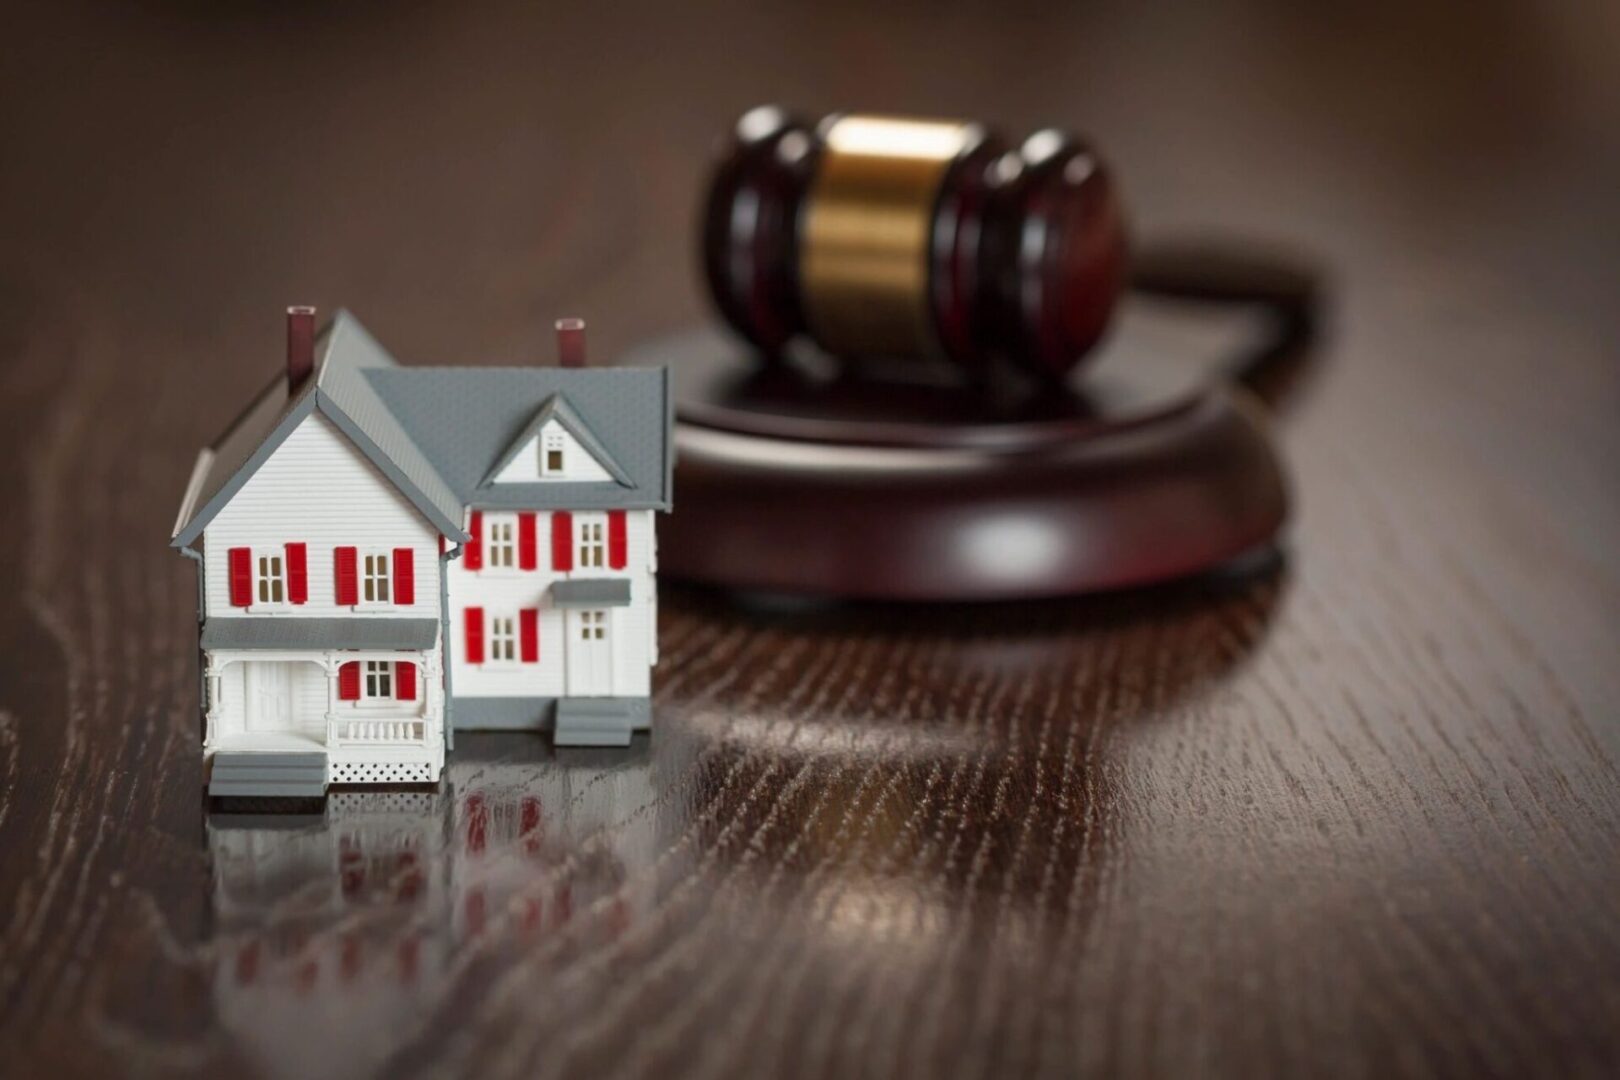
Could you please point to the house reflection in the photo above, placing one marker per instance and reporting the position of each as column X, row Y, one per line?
column 342, row 935
column 329, row 940
column 534, row 844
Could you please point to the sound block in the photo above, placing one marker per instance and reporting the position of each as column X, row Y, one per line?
column 801, row 476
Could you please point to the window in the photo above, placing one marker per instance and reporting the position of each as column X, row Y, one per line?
column 502, row 541
column 593, row 626
column 551, row 454
column 503, row 638
column 272, row 580
column 592, row 543
column 380, row 679
column 374, row 580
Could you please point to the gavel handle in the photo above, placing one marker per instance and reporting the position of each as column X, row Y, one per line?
column 1222, row 271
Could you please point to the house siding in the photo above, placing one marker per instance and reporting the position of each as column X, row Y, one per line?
column 501, row 590
column 317, row 488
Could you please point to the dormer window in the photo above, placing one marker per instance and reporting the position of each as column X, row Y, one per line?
column 557, row 446
column 553, row 454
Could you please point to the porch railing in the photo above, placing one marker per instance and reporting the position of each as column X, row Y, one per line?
column 374, row 731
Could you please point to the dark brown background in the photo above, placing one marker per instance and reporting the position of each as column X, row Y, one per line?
column 1357, row 814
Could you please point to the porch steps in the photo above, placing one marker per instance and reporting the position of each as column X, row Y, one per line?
column 292, row 774
column 593, row 722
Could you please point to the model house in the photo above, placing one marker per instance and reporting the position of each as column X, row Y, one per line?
column 388, row 553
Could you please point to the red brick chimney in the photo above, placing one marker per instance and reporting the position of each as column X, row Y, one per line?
column 571, row 342
column 300, row 346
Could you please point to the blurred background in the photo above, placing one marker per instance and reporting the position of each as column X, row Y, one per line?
column 1361, row 811
column 460, row 175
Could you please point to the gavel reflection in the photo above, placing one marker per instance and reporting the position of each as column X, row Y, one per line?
column 880, row 237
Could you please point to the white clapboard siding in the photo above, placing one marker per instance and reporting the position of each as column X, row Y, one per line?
column 578, row 464
column 309, row 695
column 319, row 489
column 503, row 591
column 231, row 705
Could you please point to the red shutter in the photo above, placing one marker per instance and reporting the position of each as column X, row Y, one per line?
column 297, row 573
column 404, row 681
column 529, row 620
column 618, row 541
column 528, row 557
column 346, row 564
column 404, row 576
column 474, row 558
column 241, row 577
column 349, row 681
column 562, row 540
column 474, row 618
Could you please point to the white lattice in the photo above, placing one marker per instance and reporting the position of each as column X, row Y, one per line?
column 356, row 803
column 382, row 772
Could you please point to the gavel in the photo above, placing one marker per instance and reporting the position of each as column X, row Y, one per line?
column 876, row 236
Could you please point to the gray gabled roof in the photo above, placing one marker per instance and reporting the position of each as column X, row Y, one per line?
column 465, row 419
column 347, row 397
column 342, row 393
column 436, row 432
column 556, row 408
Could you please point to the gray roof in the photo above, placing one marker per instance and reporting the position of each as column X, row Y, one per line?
column 612, row 592
column 355, row 408
column 466, row 419
column 344, row 396
column 437, row 432
column 336, row 633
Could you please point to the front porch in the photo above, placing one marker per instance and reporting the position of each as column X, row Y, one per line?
column 361, row 715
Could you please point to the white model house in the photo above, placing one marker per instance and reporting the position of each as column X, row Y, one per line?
column 386, row 553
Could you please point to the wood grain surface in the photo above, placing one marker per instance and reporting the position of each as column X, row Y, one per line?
column 1352, row 812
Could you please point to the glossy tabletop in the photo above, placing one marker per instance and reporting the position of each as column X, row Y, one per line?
column 1351, row 810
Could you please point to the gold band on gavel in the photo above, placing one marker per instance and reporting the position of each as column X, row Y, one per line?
column 864, row 251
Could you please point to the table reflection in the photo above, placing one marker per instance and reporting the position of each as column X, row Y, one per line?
column 341, row 933
column 840, row 807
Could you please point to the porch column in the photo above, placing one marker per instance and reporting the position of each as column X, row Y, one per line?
column 432, row 698
column 330, row 664
column 211, row 706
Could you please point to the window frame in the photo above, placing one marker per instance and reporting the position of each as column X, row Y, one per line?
column 383, row 675
column 590, row 539
column 500, row 535
column 270, row 569
column 365, row 561
column 549, row 443
column 593, row 619
column 494, row 638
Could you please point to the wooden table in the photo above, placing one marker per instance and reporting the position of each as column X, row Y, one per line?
column 1357, row 813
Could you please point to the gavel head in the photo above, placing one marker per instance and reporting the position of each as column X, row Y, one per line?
column 875, row 236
